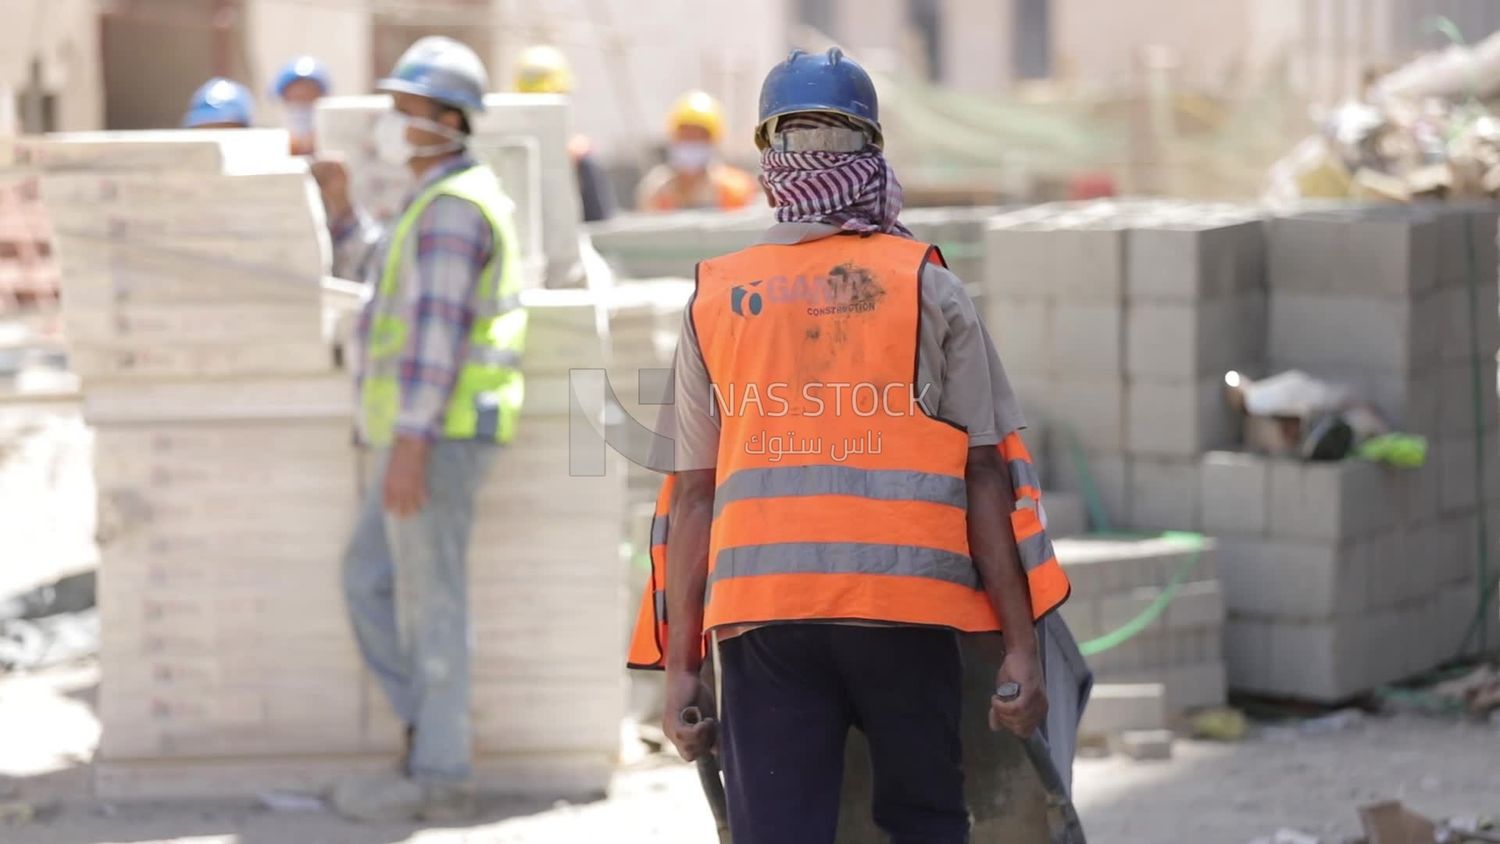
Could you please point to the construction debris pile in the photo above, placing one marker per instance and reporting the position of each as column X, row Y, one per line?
column 1422, row 132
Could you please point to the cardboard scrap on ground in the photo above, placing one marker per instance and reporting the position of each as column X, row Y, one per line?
column 1390, row 822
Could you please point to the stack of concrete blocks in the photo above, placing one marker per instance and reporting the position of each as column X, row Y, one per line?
column 547, row 571
column 523, row 137
column 1341, row 577
column 1116, row 323
column 671, row 245
column 226, row 480
column 229, row 486
column 1115, row 580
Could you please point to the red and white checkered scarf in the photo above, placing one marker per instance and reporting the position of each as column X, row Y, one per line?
column 855, row 191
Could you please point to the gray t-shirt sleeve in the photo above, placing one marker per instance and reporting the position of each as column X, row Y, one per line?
column 959, row 374
column 695, row 424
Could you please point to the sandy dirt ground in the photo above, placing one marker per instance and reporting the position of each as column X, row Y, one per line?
column 1206, row 794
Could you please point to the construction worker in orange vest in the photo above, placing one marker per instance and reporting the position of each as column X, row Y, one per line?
column 693, row 177
column 850, row 492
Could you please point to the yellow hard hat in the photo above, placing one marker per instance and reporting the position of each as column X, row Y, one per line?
column 543, row 69
column 697, row 108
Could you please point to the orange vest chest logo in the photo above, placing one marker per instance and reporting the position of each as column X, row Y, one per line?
column 845, row 289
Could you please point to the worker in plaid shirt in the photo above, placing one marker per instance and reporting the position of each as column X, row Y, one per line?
column 436, row 360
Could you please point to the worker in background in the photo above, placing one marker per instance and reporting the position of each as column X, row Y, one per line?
column 693, row 177
column 437, row 354
column 842, row 536
column 543, row 69
column 299, row 85
column 220, row 104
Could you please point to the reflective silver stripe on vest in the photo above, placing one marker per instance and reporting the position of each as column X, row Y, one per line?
column 506, row 304
column 659, row 530
column 882, row 484
column 659, row 599
column 844, row 558
column 1023, row 473
column 1035, row 550
column 489, row 356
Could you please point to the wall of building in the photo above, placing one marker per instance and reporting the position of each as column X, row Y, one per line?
column 49, row 66
column 338, row 34
column 633, row 58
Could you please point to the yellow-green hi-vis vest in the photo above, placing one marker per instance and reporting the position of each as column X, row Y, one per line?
column 487, row 395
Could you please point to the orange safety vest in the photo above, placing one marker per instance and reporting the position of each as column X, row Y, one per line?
column 732, row 187
column 838, row 498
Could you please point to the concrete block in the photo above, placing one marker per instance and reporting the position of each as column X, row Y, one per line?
column 1247, row 654
column 1379, row 652
column 1092, row 410
column 1458, row 468
column 1290, row 580
column 1166, row 264
column 1065, row 514
column 1196, row 686
column 1470, row 320
column 1086, row 340
column 1081, row 610
column 1179, row 419
column 1144, row 745
column 1164, row 494
column 1391, row 253
column 1019, row 262
column 1108, row 476
column 1315, row 661
column 1090, row 264
column 1118, row 609
column 1022, row 329
column 1183, row 341
column 1450, row 542
column 1380, row 570
column 1312, row 330
column 1328, row 501
column 1304, row 252
column 1117, row 707
column 1372, row 251
column 1199, row 604
column 1455, row 397
column 1453, row 247
column 1234, row 489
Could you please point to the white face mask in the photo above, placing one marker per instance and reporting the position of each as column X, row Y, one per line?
column 299, row 119
column 393, row 147
column 690, row 156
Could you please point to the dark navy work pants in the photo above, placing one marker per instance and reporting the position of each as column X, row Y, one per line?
column 790, row 694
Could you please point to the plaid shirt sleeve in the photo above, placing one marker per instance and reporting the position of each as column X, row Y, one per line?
column 354, row 238
column 454, row 243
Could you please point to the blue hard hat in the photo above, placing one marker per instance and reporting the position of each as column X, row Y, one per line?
column 831, row 82
column 442, row 69
column 302, row 67
column 220, row 100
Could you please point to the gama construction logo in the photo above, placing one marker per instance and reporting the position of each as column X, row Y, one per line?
column 744, row 302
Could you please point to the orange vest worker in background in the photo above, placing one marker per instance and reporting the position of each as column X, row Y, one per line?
column 693, row 177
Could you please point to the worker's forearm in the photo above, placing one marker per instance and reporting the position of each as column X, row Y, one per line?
column 687, row 577
column 992, row 543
